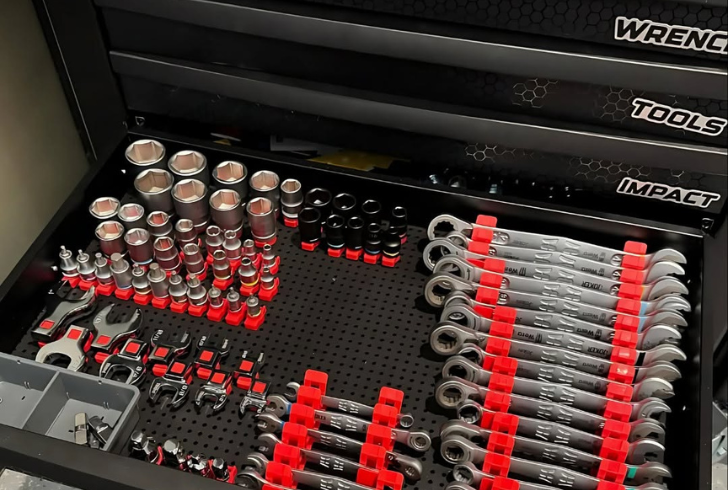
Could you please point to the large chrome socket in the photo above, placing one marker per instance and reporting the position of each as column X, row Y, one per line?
column 140, row 245
column 166, row 254
column 154, row 187
column 232, row 175
column 291, row 198
column 104, row 208
column 265, row 183
column 226, row 209
column 189, row 165
column 111, row 238
column 159, row 224
column 262, row 219
column 145, row 154
column 190, row 202
column 131, row 215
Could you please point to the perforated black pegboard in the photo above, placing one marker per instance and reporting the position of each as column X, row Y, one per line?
column 359, row 323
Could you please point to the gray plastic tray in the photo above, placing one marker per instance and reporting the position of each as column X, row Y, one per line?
column 45, row 399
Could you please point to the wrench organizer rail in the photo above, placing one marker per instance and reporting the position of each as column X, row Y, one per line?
column 560, row 357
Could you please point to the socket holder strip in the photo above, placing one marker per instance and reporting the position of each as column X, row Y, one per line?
column 504, row 425
column 294, row 437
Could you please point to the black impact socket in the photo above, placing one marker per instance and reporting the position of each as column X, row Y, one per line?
column 371, row 211
column 334, row 229
column 373, row 239
column 354, row 233
column 398, row 221
column 320, row 199
column 344, row 204
column 392, row 243
column 309, row 225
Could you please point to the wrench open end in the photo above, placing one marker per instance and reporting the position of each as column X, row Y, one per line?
column 267, row 443
column 267, row 422
column 250, row 479
column 257, row 461
column 292, row 391
column 647, row 429
column 278, row 405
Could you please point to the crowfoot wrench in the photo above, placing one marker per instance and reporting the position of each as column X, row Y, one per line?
column 177, row 380
column 549, row 242
column 648, row 474
column 73, row 346
column 462, row 367
column 640, row 450
column 458, row 450
column 217, row 389
column 419, row 441
column 448, row 339
column 458, row 266
column 131, row 360
column 167, row 346
column 60, row 311
column 410, row 467
column 404, row 420
column 649, row 337
column 110, row 335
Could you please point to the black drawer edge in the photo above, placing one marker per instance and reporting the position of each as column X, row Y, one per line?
column 418, row 116
column 433, row 46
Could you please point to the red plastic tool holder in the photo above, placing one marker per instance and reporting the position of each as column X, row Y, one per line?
column 197, row 311
column 161, row 303
column 354, row 254
column 72, row 281
column 86, row 285
column 391, row 397
column 335, row 252
column 491, row 279
column 310, row 396
column 290, row 222
column 612, row 471
column 627, row 322
column 614, row 429
column 501, row 443
column 316, row 379
column 272, row 268
column 256, row 260
column 497, row 464
column 621, row 373
column 296, row 435
column 269, row 294
column 371, row 259
column 247, row 291
column 619, row 392
column 373, row 456
column 380, row 435
column 124, row 294
column 280, row 474
column 263, row 243
column 500, row 365
column 143, row 299
column 105, row 289
column 254, row 322
column 235, row 318
column 614, row 450
column 481, row 247
column 309, row 246
column 499, row 483
column 617, row 411
column 489, row 296
column 486, row 220
column 505, row 423
column 626, row 339
column 390, row 261
column 303, row 415
column 289, row 455
column 498, row 346
column 217, row 314
column 385, row 415
column 388, row 480
column 179, row 307
column 223, row 284
column 624, row 355
column 497, row 401
column 608, row 485
column 630, row 291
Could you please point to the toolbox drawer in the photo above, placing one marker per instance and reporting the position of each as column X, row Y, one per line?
column 382, row 338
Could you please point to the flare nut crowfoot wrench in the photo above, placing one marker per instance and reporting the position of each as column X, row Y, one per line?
column 72, row 346
column 61, row 311
column 177, row 380
column 462, row 367
column 131, row 359
column 642, row 448
column 276, row 405
column 411, row 467
column 110, row 335
column 419, row 441
column 548, row 242
column 217, row 389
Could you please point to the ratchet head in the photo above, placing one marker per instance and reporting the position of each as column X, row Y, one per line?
column 451, row 392
column 278, row 405
column 652, row 387
column 462, row 315
column 644, row 451
column 665, row 352
column 267, row 443
column 268, row 422
column 649, row 408
column 647, row 429
column 658, row 335
column 448, row 338
column 649, row 473
column 459, row 428
column 419, row 441
column 444, row 224
column 665, row 286
column 467, row 473
column 441, row 284
column 470, row 412
column 436, row 249
column 456, row 450
column 460, row 367
column 457, row 266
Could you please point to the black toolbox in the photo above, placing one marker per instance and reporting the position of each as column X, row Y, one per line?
column 175, row 80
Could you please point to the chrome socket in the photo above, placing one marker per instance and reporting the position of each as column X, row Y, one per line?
column 248, row 273
column 232, row 246
column 267, row 279
column 249, row 249
column 145, row 154
column 291, row 198
column 103, row 269
column 158, row 281
column 189, row 164
column 268, row 256
column 262, row 219
column 159, row 224
column 104, row 208
column 177, row 288
column 140, row 246
column 166, row 254
column 194, row 261
column 214, row 297
column 196, row 292
column 234, row 303
column 184, row 232
column 265, row 183
column 86, row 268
column 232, row 175
column 121, row 271
column 131, row 215
column 155, row 190
column 253, row 304
column 139, row 280
column 190, row 202
column 213, row 239
column 68, row 264
column 227, row 211
column 111, row 238
column 221, row 266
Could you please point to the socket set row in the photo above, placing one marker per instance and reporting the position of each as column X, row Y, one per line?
column 560, row 356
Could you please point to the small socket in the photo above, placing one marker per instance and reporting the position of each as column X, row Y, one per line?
column 139, row 243
column 177, row 288
column 262, row 219
column 103, row 269
column 131, row 215
column 86, row 268
column 104, row 208
column 194, row 261
column 253, row 306
column 111, row 238
column 158, row 281
column 166, row 255
column 68, row 264
column 227, row 211
column 139, row 281
column 190, row 202
column 234, row 303
column 213, row 239
column 121, row 271
column 159, row 224
column 184, row 232
column 196, row 292
column 291, row 198
column 232, row 246
column 221, row 266
column 214, row 296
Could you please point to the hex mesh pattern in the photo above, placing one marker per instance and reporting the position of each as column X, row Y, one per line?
column 359, row 323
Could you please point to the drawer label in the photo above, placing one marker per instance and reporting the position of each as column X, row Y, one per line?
column 663, row 192
column 674, row 117
column 680, row 37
